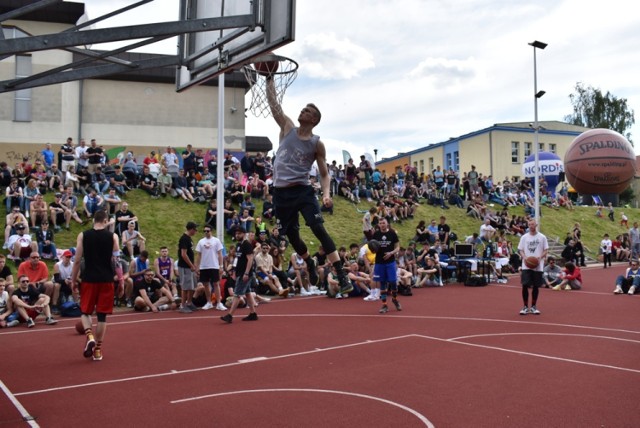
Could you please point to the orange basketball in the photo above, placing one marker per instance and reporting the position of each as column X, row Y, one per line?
column 79, row 327
column 600, row 161
column 531, row 262
column 266, row 68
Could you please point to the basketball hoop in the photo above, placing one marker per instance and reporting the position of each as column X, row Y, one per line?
column 283, row 71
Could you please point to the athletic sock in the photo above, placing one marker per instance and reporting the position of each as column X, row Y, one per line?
column 99, row 344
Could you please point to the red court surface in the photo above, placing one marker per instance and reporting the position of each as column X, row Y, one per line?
column 454, row 357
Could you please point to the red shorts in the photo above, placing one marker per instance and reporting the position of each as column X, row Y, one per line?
column 98, row 296
column 33, row 313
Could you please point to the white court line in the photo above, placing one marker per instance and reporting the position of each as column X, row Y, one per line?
column 591, row 336
column 23, row 412
column 531, row 354
column 420, row 416
column 199, row 369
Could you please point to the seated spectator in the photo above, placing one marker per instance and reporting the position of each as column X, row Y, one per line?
column 112, row 202
column 165, row 182
column 232, row 224
column 551, row 273
column 38, row 273
column 422, row 233
column 361, row 282
column 148, row 183
column 621, row 253
column 248, row 205
column 430, row 275
column 39, row 210
column 123, row 217
column 85, row 180
column 100, row 181
column 487, row 232
column 299, row 278
column 119, row 181
column 14, row 195
column 137, row 267
column 6, row 275
column 55, row 179
column 92, row 203
column 132, row 240
column 264, row 272
column 130, row 171
column 29, row 303
column 62, row 279
column 13, row 219
column 30, row 192
column 20, row 244
column 629, row 282
column 150, row 295
column 182, row 187
column 46, row 246
column 165, row 272
column 8, row 318
column 571, row 278
column 278, row 241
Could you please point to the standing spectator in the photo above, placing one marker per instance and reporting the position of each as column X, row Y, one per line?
column 368, row 221
column 577, row 237
column 97, row 247
column 81, row 155
column 606, row 245
column 68, row 155
column 208, row 259
column 169, row 159
column 472, row 177
column 188, row 159
column 634, row 238
column 532, row 244
column 29, row 303
column 187, row 270
column 94, row 156
column 48, row 155
column 244, row 278
column 385, row 268
column 151, row 158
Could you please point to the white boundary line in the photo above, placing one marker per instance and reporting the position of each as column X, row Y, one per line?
column 26, row 417
column 420, row 416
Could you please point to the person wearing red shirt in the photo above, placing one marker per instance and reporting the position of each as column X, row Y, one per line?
column 571, row 278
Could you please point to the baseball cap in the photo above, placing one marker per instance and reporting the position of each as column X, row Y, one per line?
column 67, row 253
column 191, row 226
column 263, row 232
column 20, row 226
column 58, row 195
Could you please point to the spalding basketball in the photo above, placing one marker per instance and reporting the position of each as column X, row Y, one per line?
column 531, row 262
column 266, row 68
column 600, row 161
column 79, row 327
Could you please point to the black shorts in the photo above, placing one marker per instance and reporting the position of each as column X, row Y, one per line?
column 209, row 276
column 531, row 278
column 290, row 201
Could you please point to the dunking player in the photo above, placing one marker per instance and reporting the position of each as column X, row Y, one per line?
column 299, row 149
column 98, row 247
column 532, row 243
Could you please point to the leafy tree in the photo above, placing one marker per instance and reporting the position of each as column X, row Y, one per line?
column 593, row 109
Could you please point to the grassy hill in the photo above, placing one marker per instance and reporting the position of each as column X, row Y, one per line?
column 162, row 222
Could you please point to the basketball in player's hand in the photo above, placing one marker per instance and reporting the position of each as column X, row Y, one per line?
column 531, row 262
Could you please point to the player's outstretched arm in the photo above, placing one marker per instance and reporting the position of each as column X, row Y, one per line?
column 284, row 122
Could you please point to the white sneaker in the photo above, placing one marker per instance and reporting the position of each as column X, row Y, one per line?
column 370, row 298
column 304, row 292
column 338, row 296
column 221, row 307
column 618, row 290
column 631, row 290
column 207, row 306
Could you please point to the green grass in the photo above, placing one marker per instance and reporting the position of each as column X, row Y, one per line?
column 162, row 222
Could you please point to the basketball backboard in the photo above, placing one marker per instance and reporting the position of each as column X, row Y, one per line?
column 248, row 29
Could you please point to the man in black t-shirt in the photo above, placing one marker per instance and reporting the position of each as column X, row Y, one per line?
column 95, row 156
column 188, row 159
column 187, row 270
column 29, row 303
column 148, row 183
column 150, row 295
column 385, row 269
column 245, row 277
column 443, row 231
column 5, row 273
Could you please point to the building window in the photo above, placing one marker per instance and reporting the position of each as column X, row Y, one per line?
column 448, row 164
column 515, row 152
column 431, row 167
column 456, row 161
column 22, row 97
column 552, row 148
column 541, row 147
column 421, row 166
column 528, row 149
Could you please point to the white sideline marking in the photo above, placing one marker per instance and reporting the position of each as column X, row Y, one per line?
column 25, row 415
column 420, row 416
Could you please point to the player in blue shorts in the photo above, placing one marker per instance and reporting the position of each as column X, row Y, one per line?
column 385, row 269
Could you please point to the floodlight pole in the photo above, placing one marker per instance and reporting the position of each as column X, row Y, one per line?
column 536, row 45
column 220, row 226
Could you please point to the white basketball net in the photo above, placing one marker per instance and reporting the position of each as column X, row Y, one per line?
column 286, row 74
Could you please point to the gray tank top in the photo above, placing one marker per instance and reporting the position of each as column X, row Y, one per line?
column 294, row 159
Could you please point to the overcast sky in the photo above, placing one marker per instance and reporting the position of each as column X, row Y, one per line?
column 399, row 75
